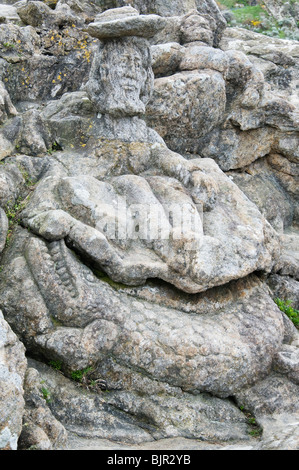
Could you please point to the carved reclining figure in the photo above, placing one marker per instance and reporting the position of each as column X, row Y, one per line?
column 164, row 185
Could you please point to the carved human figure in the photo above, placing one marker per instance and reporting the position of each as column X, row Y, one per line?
column 121, row 77
column 71, row 207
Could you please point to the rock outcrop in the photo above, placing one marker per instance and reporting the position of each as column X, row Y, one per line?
column 148, row 221
column 12, row 371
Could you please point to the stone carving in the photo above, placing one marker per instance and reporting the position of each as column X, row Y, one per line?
column 72, row 316
column 193, row 257
column 112, row 212
column 121, row 77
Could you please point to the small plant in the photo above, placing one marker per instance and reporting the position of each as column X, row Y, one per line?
column 46, row 394
column 55, row 365
column 9, row 45
column 12, row 212
column 77, row 375
column 55, row 147
column 85, row 379
column 255, row 430
column 292, row 313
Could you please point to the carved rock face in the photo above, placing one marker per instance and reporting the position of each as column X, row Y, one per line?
column 67, row 313
column 121, row 78
column 151, row 213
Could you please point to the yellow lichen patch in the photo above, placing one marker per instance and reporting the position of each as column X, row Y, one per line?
column 86, row 55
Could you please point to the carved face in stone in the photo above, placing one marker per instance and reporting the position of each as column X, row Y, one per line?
column 121, row 77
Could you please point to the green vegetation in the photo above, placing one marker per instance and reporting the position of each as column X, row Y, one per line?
column 55, row 147
column 57, row 365
column 256, row 432
column 9, row 45
column 12, row 212
column 78, row 375
column 46, row 394
column 292, row 313
column 254, row 429
column 255, row 17
column 86, row 379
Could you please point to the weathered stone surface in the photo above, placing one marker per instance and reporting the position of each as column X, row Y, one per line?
column 276, row 58
column 125, row 22
column 197, row 57
column 181, row 121
column 285, row 12
column 121, row 77
column 166, row 58
column 280, row 432
column 3, row 229
column 58, row 216
column 248, row 121
column 8, row 14
column 7, row 109
column 285, row 288
column 11, row 183
column 176, row 8
column 12, row 370
column 232, row 148
column 164, row 412
column 274, row 395
column 287, row 264
column 286, row 362
column 169, row 356
column 41, row 431
column 16, row 41
column 38, row 14
column 195, row 27
column 98, row 321
column 262, row 188
column 286, row 172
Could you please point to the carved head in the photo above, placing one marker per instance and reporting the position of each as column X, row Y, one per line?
column 121, row 77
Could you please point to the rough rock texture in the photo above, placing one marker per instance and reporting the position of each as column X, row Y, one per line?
column 285, row 287
column 3, row 229
column 168, row 412
column 148, row 220
column 135, row 331
column 171, row 258
column 41, row 431
column 285, row 12
column 12, row 371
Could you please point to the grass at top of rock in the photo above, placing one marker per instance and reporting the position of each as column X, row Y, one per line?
column 232, row 3
column 249, row 14
column 256, row 18
column 286, row 307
